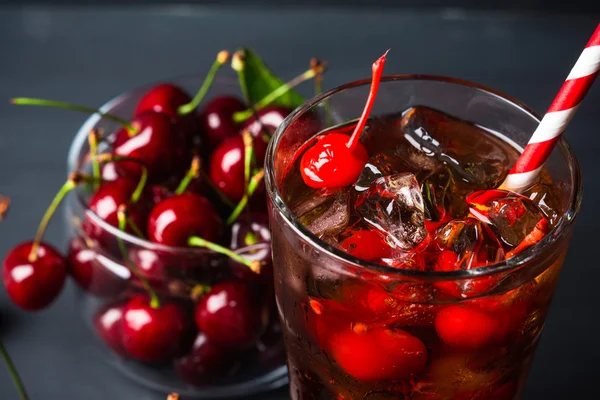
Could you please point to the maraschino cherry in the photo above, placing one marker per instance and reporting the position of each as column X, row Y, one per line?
column 337, row 160
column 34, row 273
column 229, row 315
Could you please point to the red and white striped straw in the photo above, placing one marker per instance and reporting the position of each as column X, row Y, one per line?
column 562, row 109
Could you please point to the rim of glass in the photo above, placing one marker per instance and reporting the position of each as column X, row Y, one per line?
column 80, row 140
column 512, row 263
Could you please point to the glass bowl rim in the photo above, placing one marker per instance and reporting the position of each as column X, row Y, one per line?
column 80, row 140
column 513, row 263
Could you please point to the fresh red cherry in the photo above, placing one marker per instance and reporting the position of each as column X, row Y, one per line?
column 230, row 315
column 155, row 144
column 374, row 354
column 105, row 203
column 151, row 334
column 367, row 244
column 466, row 327
column 108, row 323
column 94, row 272
column 227, row 165
column 109, row 172
column 163, row 98
column 206, row 360
column 249, row 229
column 216, row 118
column 34, row 282
column 178, row 217
column 266, row 120
column 336, row 160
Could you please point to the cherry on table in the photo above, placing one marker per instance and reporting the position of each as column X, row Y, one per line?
column 374, row 354
column 230, row 315
column 336, row 159
column 266, row 120
column 32, row 284
column 93, row 272
column 206, row 360
column 216, row 119
column 155, row 144
column 227, row 165
column 175, row 219
column 153, row 335
column 108, row 323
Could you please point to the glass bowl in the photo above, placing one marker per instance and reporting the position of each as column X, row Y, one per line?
column 106, row 280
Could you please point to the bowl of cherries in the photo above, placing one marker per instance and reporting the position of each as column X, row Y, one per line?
column 169, row 242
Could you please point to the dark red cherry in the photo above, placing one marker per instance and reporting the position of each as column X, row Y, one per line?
column 216, row 119
column 330, row 163
column 259, row 252
column 230, row 315
column 156, row 144
column 249, row 229
column 109, row 172
column 95, row 273
column 206, row 360
column 266, row 120
column 336, row 159
column 105, row 203
column 227, row 165
column 150, row 334
column 178, row 217
column 108, row 323
column 150, row 264
column 34, row 284
column 164, row 98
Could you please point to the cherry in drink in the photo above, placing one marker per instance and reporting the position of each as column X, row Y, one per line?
column 418, row 280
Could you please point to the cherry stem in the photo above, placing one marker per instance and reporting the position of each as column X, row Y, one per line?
column 252, row 186
column 199, row 242
column 377, row 71
column 14, row 374
column 4, row 206
column 192, row 173
column 123, row 217
column 69, row 185
column 139, row 189
column 222, row 58
column 28, row 101
column 248, row 155
column 93, row 138
column 198, row 291
column 312, row 72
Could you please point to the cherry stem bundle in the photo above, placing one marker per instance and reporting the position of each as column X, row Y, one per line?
column 14, row 374
column 28, row 101
column 123, row 218
column 69, row 185
column 314, row 71
column 200, row 242
column 192, row 173
column 252, row 186
column 222, row 58
column 377, row 72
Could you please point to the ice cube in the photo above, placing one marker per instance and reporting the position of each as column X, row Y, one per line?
column 543, row 196
column 330, row 214
column 394, row 205
column 480, row 160
column 381, row 164
column 511, row 215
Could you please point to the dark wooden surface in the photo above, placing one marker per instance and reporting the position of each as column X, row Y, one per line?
column 87, row 55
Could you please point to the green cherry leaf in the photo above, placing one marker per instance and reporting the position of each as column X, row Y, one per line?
column 257, row 80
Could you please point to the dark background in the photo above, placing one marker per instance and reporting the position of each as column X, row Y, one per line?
column 89, row 53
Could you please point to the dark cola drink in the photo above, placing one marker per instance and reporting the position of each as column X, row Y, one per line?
column 404, row 288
